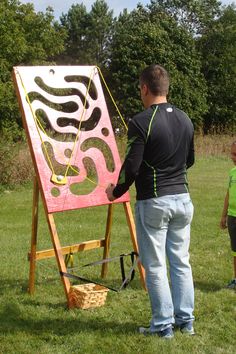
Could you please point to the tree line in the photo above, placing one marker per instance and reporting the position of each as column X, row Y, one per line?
column 194, row 40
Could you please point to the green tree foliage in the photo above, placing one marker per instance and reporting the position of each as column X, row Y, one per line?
column 75, row 23
column 99, row 32
column 193, row 15
column 194, row 39
column 152, row 35
column 27, row 38
column 218, row 48
column 89, row 34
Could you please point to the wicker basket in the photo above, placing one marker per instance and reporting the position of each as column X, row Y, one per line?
column 87, row 295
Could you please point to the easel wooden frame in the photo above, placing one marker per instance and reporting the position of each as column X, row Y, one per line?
column 58, row 251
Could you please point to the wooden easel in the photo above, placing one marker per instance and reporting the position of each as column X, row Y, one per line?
column 24, row 80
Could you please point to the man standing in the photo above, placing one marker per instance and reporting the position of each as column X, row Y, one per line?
column 159, row 150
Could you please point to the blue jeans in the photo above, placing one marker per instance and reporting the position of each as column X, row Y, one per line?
column 163, row 230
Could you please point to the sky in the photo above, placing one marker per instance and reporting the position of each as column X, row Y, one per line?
column 62, row 6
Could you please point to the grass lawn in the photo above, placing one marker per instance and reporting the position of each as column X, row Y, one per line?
column 42, row 323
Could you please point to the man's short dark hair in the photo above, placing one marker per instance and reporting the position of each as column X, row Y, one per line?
column 156, row 78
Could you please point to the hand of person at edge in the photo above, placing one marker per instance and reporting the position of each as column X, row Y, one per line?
column 223, row 222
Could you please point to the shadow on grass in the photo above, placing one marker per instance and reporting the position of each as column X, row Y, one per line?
column 207, row 287
column 13, row 320
column 7, row 285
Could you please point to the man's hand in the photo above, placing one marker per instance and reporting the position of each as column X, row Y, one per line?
column 109, row 192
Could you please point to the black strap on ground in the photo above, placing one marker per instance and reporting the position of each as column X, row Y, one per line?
column 125, row 280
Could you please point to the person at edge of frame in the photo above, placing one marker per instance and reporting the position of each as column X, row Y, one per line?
column 160, row 148
column 228, row 218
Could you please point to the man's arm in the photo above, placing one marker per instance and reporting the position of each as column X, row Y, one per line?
column 130, row 167
column 223, row 220
column 191, row 154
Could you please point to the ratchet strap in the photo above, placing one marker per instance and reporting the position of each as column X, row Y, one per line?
column 125, row 279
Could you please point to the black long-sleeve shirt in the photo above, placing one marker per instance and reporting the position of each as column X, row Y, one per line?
column 160, row 148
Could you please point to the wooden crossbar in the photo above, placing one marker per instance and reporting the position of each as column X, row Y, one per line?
column 79, row 247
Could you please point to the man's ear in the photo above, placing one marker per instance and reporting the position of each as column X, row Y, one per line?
column 145, row 89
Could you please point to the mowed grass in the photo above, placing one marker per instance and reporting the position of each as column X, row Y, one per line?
column 42, row 323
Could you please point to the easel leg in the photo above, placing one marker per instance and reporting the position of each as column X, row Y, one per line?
column 132, row 229
column 107, row 239
column 34, row 231
column 59, row 255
